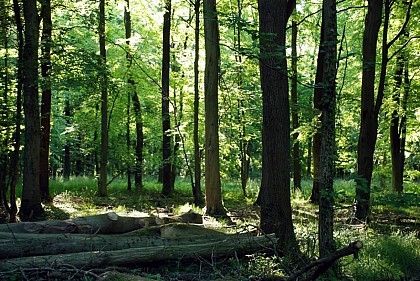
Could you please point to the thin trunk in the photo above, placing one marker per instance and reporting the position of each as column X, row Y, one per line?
column 398, row 124
column 327, row 155
column 243, row 143
column 14, row 161
column 67, row 156
column 295, row 114
column 214, row 204
column 31, row 207
column 104, row 103
column 138, row 170
column 4, row 205
column 167, row 187
column 127, row 26
column 316, row 142
column 45, row 100
column 196, row 188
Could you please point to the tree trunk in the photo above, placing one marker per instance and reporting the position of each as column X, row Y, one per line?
column 14, row 161
column 167, row 187
column 369, row 124
column 398, row 125
column 196, row 188
column 67, row 155
column 104, row 102
column 295, row 114
column 130, row 85
column 232, row 245
column 214, row 204
column 31, row 198
column 45, row 101
column 138, row 171
column 316, row 143
column 276, row 213
column 328, row 103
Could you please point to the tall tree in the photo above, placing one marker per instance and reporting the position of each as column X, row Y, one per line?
column 104, row 102
column 132, row 93
column 370, row 106
column 31, row 207
column 214, row 204
column 4, row 123
column 167, row 183
column 295, row 114
column 368, row 122
column 45, row 100
column 316, row 142
column 196, row 188
column 398, row 126
column 274, row 197
column 328, row 46
column 14, row 158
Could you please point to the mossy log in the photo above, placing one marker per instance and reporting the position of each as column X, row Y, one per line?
column 228, row 245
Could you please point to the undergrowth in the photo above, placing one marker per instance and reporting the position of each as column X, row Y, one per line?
column 391, row 241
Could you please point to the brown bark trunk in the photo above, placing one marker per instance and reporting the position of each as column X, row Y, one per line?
column 31, row 198
column 138, row 170
column 104, row 103
column 369, row 122
column 328, row 103
column 214, row 204
column 14, row 161
column 45, row 101
column 295, row 114
column 316, row 143
column 196, row 188
column 167, row 187
column 67, row 149
column 274, row 196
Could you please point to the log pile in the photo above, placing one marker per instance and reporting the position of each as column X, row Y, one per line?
column 112, row 240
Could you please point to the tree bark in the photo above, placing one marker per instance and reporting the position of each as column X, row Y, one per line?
column 214, row 204
column 67, row 145
column 328, row 104
column 196, row 188
column 276, row 213
column 104, row 102
column 230, row 246
column 14, row 159
column 316, row 143
column 295, row 114
column 45, row 101
column 31, row 198
column 28, row 245
column 167, row 186
column 369, row 124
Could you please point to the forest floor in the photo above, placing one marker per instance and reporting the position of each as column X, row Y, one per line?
column 391, row 239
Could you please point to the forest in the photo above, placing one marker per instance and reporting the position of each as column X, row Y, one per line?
column 292, row 122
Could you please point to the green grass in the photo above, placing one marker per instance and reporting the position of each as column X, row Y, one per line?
column 391, row 244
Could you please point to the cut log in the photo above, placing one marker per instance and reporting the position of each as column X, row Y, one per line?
column 24, row 245
column 109, row 223
column 227, row 246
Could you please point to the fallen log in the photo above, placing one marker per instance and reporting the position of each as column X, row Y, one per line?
column 24, row 245
column 227, row 246
column 323, row 264
column 109, row 223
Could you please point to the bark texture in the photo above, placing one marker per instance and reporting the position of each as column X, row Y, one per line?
column 31, row 198
column 274, row 196
column 211, row 83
